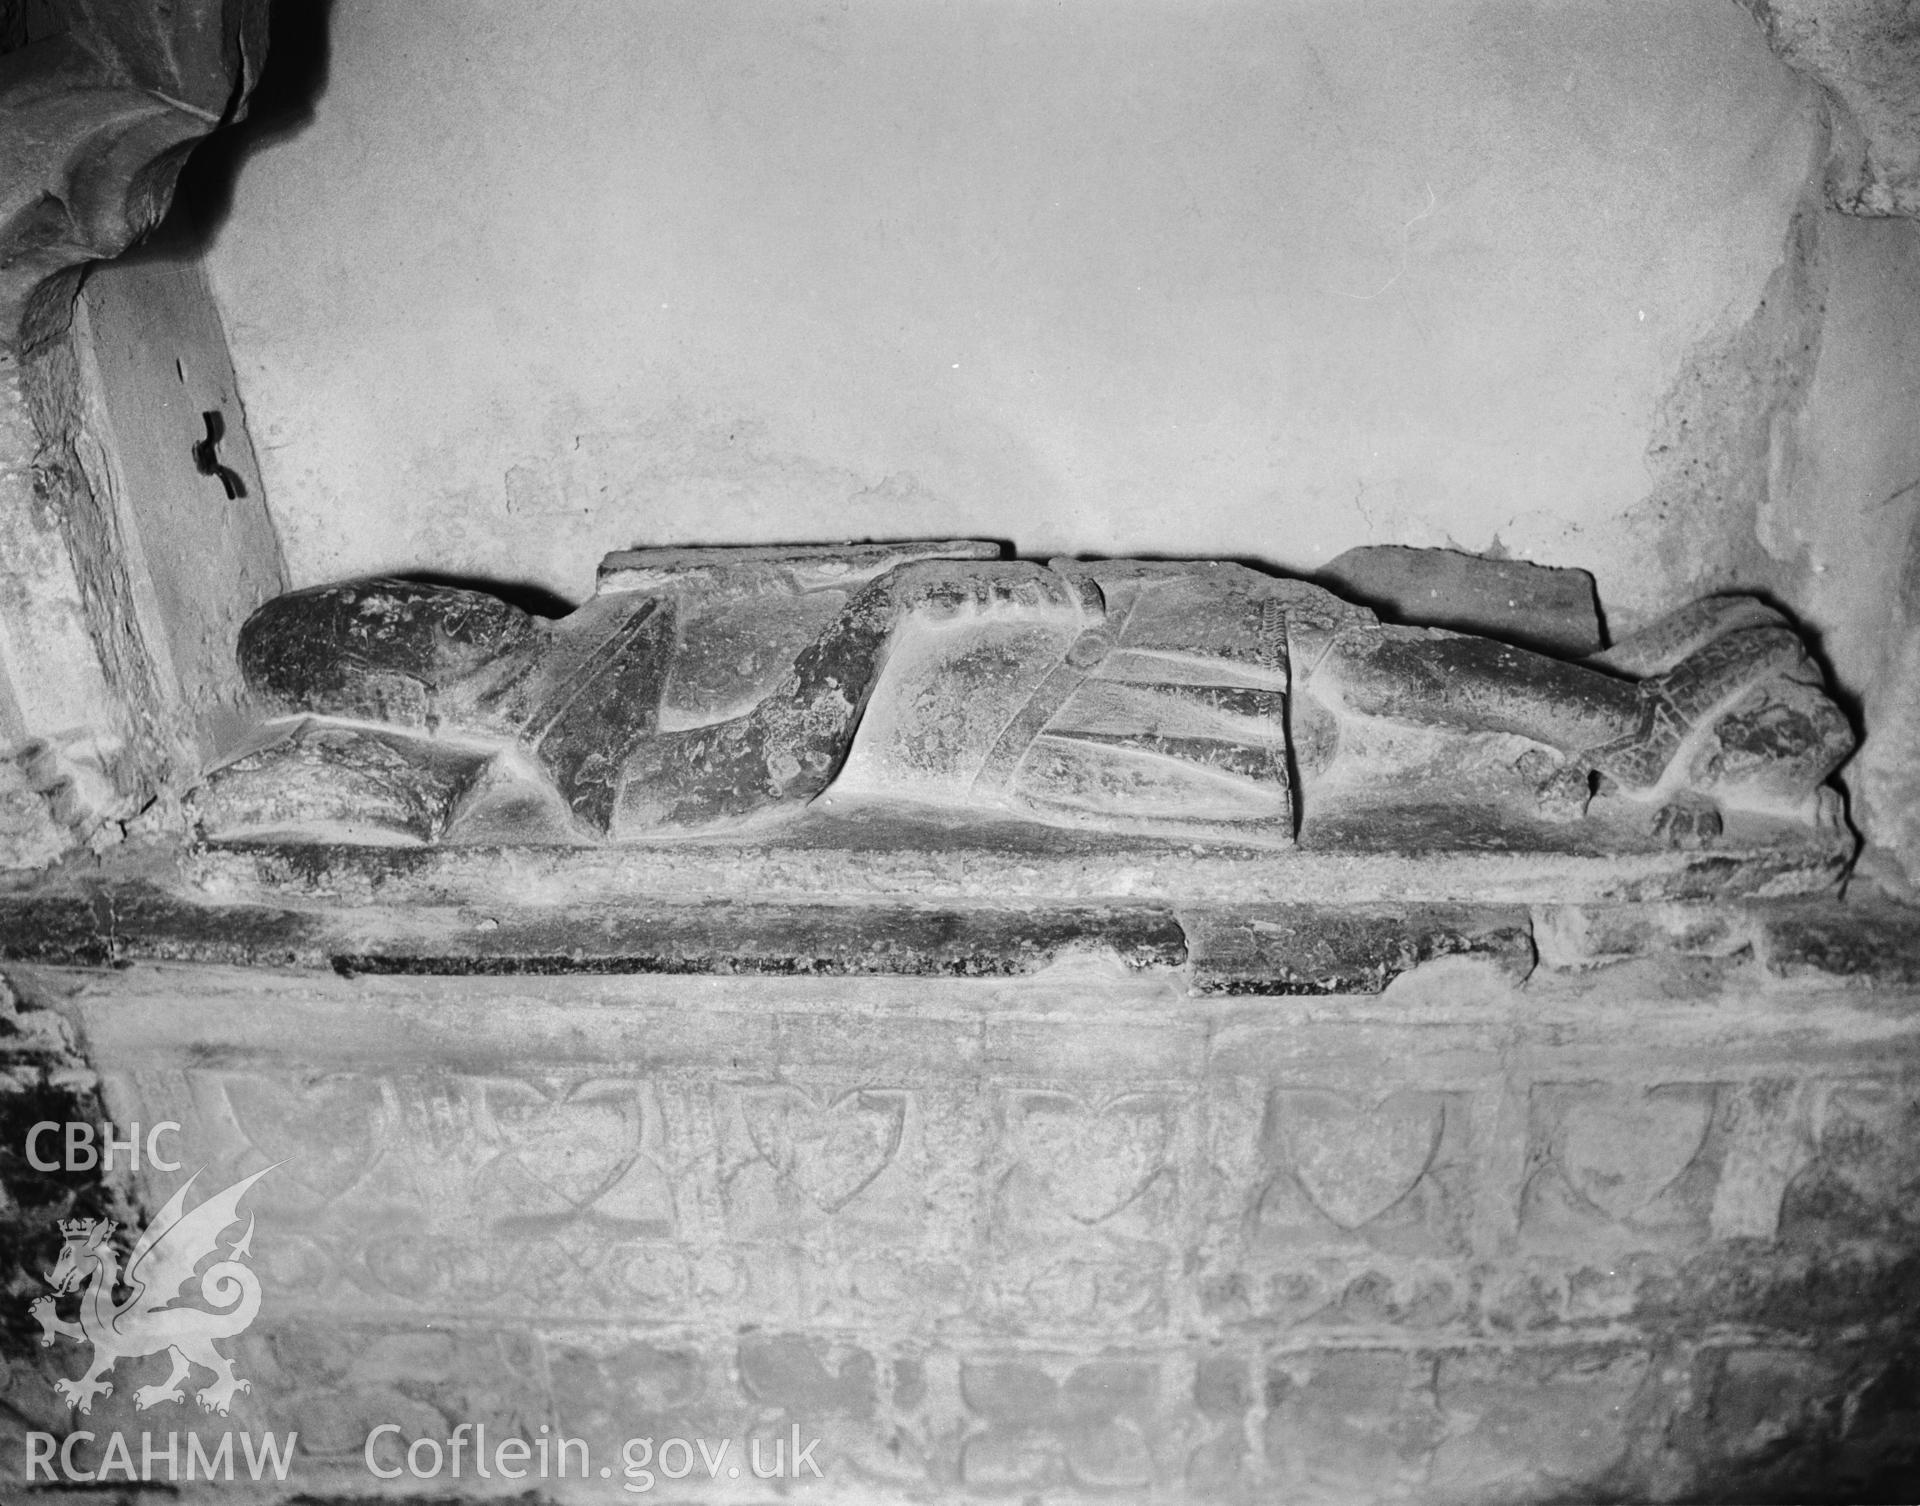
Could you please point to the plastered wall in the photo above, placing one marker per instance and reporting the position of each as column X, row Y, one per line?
column 1245, row 279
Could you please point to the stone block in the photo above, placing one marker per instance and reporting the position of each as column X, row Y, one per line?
column 1761, row 1401
column 1225, row 1387
column 1864, row 1171
column 1803, row 1291
column 30, row 834
column 610, row 1389
column 1880, row 1429
column 1580, row 936
column 805, row 1378
column 1768, row 1140
column 334, row 1382
column 1301, row 949
column 1536, row 606
column 59, row 715
column 1350, row 1424
column 1095, row 1426
column 1871, row 942
column 1532, row 1425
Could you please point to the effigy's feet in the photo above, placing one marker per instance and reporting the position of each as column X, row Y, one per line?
column 1735, row 717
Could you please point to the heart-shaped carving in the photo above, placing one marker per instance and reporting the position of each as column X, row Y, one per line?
column 1353, row 1160
column 831, row 1154
column 563, row 1145
column 323, row 1129
column 1094, row 1161
column 1621, row 1147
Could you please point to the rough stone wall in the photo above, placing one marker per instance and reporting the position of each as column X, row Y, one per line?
column 1637, row 1231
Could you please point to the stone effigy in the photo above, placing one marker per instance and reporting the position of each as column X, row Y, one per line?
column 720, row 693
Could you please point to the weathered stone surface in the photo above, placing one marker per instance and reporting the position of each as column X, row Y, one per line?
column 1199, row 702
column 1889, row 773
column 123, row 375
column 31, row 835
column 62, row 928
column 1635, row 1230
column 1879, row 943
column 43, row 1077
column 85, row 924
column 1357, row 949
column 1352, row 1424
column 1575, row 936
column 1535, row 606
column 1866, row 56
column 417, row 912
column 1619, row 1156
column 59, row 716
column 349, row 783
column 922, row 861
column 189, row 514
column 820, row 940
column 408, row 910
column 124, row 583
column 1536, row 1425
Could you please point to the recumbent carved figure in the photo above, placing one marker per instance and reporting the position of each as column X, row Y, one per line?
column 707, row 692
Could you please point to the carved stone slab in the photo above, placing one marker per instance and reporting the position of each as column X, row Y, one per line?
column 981, row 713
column 1072, row 1233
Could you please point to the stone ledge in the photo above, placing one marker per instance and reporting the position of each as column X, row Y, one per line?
column 1869, row 940
column 1876, row 941
column 514, row 912
column 1005, row 862
column 1325, row 949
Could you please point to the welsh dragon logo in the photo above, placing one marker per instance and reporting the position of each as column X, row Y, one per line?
column 164, row 1260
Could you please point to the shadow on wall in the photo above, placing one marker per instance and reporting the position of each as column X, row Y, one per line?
column 535, row 600
column 299, row 55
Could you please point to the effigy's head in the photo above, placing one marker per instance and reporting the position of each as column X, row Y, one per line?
column 377, row 648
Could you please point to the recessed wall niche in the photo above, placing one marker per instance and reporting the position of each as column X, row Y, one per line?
column 1278, row 1052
